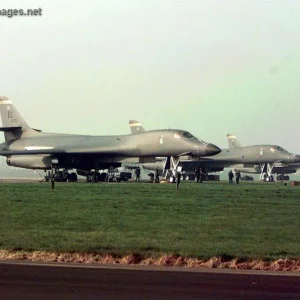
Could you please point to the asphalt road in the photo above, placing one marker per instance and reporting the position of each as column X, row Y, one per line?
column 66, row 281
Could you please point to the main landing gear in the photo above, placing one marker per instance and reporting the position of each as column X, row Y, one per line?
column 283, row 177
column 95, row 176
column 266, row 172
column 112, row 175
column 56, row 175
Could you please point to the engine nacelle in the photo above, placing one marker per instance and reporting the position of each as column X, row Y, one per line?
column 285, row 170
column 30, row 161
column 249, row 170
column 215, row 169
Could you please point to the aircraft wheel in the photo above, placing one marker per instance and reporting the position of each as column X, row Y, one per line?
column 95, row 177
column 72, row 177
column 102, row 177
column 88, row 178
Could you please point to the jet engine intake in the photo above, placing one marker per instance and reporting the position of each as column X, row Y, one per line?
column 30, row 161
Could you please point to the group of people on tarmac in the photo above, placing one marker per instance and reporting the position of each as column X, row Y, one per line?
column 199, row 174
column 138, row 175
column 237, row 176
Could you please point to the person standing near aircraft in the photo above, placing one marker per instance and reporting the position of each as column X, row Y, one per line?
column 137, row 174
column 197, row 174
column 230, row 176
column 178, row 176
column 201, row 175
column 156, row 176
column 237, row 177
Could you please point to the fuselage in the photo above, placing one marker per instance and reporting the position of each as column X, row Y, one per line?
column 258, row 154
column 89, row 151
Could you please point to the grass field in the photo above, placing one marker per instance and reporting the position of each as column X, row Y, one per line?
column 252, row 220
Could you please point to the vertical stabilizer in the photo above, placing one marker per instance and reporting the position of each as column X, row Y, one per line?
column 232, row 141
column 135, row 126
column 12, row 122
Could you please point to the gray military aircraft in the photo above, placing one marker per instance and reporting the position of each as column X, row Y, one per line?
column 30, row 148
column 265, row 156
column 265, row 171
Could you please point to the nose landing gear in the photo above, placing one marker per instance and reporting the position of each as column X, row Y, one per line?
column 172, row 171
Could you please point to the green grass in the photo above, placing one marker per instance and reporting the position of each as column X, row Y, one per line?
column 199, row 220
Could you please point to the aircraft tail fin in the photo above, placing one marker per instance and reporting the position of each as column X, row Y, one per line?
column 135, row 126
column 12, row 122
column 232, row 141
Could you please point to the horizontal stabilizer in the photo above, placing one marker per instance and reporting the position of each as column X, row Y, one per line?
column 10, row 128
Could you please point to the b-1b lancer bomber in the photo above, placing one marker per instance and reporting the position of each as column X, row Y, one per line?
column 288, row 164
column 29, row 148
column 264, row 157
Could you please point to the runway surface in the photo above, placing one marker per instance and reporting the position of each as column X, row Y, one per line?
column 19, row 180
column 70, row 281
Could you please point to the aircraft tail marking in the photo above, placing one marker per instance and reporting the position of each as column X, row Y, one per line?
column 12, row 121
column 232, row 141
column 135, row 126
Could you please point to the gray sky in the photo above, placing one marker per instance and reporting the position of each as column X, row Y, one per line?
column 210, row 67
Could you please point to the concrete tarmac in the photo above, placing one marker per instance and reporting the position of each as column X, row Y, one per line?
column 76, row 281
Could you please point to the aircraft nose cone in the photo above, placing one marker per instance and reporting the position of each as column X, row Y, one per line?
column 211, row 149
column 296, row 158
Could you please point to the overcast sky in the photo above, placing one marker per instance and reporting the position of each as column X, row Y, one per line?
column 209, row 67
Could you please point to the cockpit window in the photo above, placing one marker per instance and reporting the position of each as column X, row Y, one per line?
column 277, row 148
column 187, row 135
column 177, row 135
